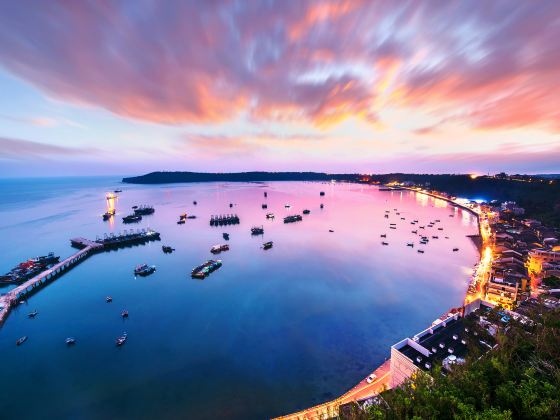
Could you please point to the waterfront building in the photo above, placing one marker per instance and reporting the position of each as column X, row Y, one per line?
column 445, row 342
column 541, row 259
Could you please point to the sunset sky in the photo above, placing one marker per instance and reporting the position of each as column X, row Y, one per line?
column 115, row 87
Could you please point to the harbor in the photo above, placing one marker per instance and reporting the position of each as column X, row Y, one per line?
column 239, row 303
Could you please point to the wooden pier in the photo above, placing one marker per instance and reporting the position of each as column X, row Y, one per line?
column 11, row 298
column 86, row 248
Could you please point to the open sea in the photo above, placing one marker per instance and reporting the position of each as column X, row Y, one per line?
column 269, row 333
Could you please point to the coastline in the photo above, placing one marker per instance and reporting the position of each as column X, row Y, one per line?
column 382, row 383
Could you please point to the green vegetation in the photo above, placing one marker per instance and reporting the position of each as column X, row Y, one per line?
column 519, row 379
column 553, row 282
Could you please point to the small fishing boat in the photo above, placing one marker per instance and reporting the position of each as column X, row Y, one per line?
column 384, row 243
column 440, row 228
column 167, row 249
column 322, row 193
column 230, row 205
column 108, row 299
column 267, row 245
column 321, row 206
column 108, row 214
column 225, row 236
column 21, row 340
column 265, row 194
column 191, row 216
column 455, row 249
column 270, row 215
column 134, row 207
column 216, row 249
column 32, row 314
column 70, row 341
column 264, row 206
column 415, row 232
column 257, row 230
column 117, row 191
column 287, row 206
column 181, row 221
column 132, row 218
column 124, row 314
column 330, row 230
column 410, row 244
column 383, row 235
column 144, row 270
column 195, row 203
column 121, row 340
column 392, row 227
column 435, row 237
column 306, row 211
column 421, row 251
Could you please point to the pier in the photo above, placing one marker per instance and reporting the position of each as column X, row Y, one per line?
column 86, row 248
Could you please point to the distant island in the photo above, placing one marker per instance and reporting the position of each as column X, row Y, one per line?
column 176, row 177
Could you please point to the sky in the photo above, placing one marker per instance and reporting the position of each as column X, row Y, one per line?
column 128, row 87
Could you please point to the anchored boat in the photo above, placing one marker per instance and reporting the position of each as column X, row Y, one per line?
column 144, row 269
column 205, row 269
column 216, row 249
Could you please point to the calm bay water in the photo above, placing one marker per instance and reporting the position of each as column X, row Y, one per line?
column 268, row 333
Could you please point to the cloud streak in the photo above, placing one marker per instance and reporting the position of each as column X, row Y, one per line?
column 491, row 65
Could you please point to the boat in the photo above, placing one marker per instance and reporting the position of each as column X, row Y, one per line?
column 70, row 341
column 386, row 216
column 415, row 232
column 134, row 207
column 265, row 194
column 191, row 216
column 440, row 228
column 306, row 211
column 435, row 237
column 267, row 245
column 270, row 215
column 257, row 230
column 292, row 219
column 167, row 249
column 32, row 314
column 124, row 314
column 451, row 215
column 195, row 203
column 144, row 210
column 225, row 236
column 108, row 299
column 330, row 230
column 321, row 206
column 132, row 218
column 392, row 227
column 21, row 340
column 205, row 269
column 121, row 340
column 287, row 206
column 108, row 214
column 410, row 244
column 216, row 249
column 455, row 249
column 181, row 221
column 421, row 251
column 384, row 243
column 144, row 270
column 30, row 268
column 230, row 205
column 117, row 191
column 383, row 235
column 228, row 219
column 264, row 206
column 322, row 193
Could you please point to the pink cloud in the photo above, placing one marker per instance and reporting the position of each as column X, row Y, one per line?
column 497, row 63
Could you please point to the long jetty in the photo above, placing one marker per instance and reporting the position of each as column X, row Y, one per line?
column 86, row 248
